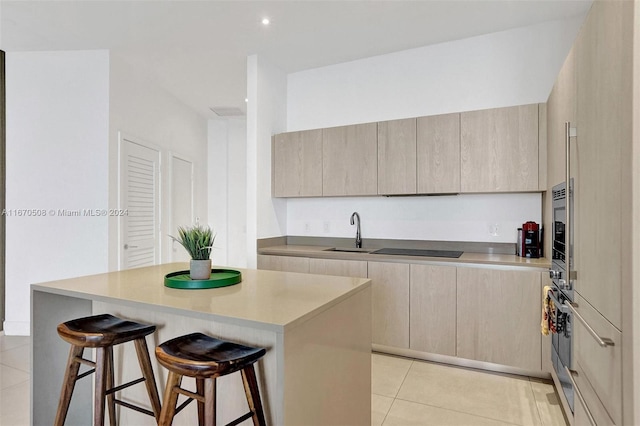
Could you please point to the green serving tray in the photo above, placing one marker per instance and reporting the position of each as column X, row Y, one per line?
column 219, row 278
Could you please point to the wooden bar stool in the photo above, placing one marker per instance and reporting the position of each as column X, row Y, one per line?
column 205, row 359
column 103, row 332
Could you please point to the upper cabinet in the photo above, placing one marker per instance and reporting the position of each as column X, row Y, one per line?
column 350, row 160
column 397, row 157
column 438, row 152
column 499, row 149
column 297, row 171
column 494, row 150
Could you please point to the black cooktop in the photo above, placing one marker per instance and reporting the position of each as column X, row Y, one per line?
column 419, row 252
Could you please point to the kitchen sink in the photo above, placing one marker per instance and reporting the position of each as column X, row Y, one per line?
column 349, row 250
column 419, row 252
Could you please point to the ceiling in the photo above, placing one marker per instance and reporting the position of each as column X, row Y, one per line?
column 197, row 50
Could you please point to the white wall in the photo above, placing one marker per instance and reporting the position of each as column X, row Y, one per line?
column 266, row 116
column 57, row 140
column 467, row 217
column 64, row 112
column 145, row 111
column 513, row 67
column 227, row 190
column 218, row 194
column 237, row 208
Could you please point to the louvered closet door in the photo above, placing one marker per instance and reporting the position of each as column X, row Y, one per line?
column 140, row 196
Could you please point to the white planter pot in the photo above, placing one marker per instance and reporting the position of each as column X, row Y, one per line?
column 200, row 269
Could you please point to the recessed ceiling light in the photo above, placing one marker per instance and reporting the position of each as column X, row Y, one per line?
column 265, row 21
column 246, row 99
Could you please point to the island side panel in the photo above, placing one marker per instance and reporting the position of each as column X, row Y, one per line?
column 49, row 354
column 327, row 366
column 231, row 401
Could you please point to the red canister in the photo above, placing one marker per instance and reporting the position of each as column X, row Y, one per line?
column 531, row 241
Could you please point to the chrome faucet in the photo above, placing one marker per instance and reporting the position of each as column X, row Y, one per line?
column 356, row 216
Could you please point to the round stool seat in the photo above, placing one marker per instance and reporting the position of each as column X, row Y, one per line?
column 202, row 356
column 101, row 333
column 102, row 330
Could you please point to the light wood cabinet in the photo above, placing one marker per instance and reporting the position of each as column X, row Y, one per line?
column 604, row 136
column 499, row 149
column 594, row 92
column 593, row 404
column 297, row 164
column 481, row 314
column 604, row 206
column 343, row 268
column 542, row 147
column 498, row 317
column 561, row 107
column 432, row 326
column 390, row 284
column 438, row 154
column 494, row 150
column 350, row 160
column 602, row 366
column 397, row 157
column 283, row 263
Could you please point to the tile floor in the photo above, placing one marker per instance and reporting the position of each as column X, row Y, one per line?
column 410, row 392
column 404, row 392
column 15, row 354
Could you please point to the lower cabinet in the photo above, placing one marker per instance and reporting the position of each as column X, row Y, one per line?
column 283, row 263
column 390, row 310
column 498, row 317
column 432, row 311
column 601, row 366
column 592, row 408
column 343, row 268
column 482, row 314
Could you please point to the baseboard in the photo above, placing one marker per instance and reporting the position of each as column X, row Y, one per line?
column 460, row 362
column 17, row 328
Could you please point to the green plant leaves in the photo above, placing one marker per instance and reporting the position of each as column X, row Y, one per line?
column 197, row 240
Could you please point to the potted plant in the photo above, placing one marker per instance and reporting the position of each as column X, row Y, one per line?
column 198, row 241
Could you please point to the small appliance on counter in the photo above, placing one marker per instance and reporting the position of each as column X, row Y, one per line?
column 530, row 241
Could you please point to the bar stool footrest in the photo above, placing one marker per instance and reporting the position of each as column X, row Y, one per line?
column 85, row 374
column 124, row 386
column 85, row 361
column 183, row 405
column 134, row 407
column 241, row 419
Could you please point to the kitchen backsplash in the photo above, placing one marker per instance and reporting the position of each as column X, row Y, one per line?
column 465, row 217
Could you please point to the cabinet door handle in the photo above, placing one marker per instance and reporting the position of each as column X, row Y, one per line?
column 602, row 341
column 569, row 132
column 570, row 373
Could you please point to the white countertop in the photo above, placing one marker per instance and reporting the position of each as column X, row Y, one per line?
column 264, row 299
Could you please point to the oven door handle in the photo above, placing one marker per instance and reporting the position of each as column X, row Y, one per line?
column 602, row 341
column 570, row 373
column 559, row 306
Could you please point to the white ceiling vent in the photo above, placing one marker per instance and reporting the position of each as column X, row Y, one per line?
column 227, row 111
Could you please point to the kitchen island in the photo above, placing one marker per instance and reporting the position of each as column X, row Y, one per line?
column 317, row 331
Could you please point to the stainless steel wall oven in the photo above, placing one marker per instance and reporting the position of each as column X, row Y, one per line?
column 561, row 293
